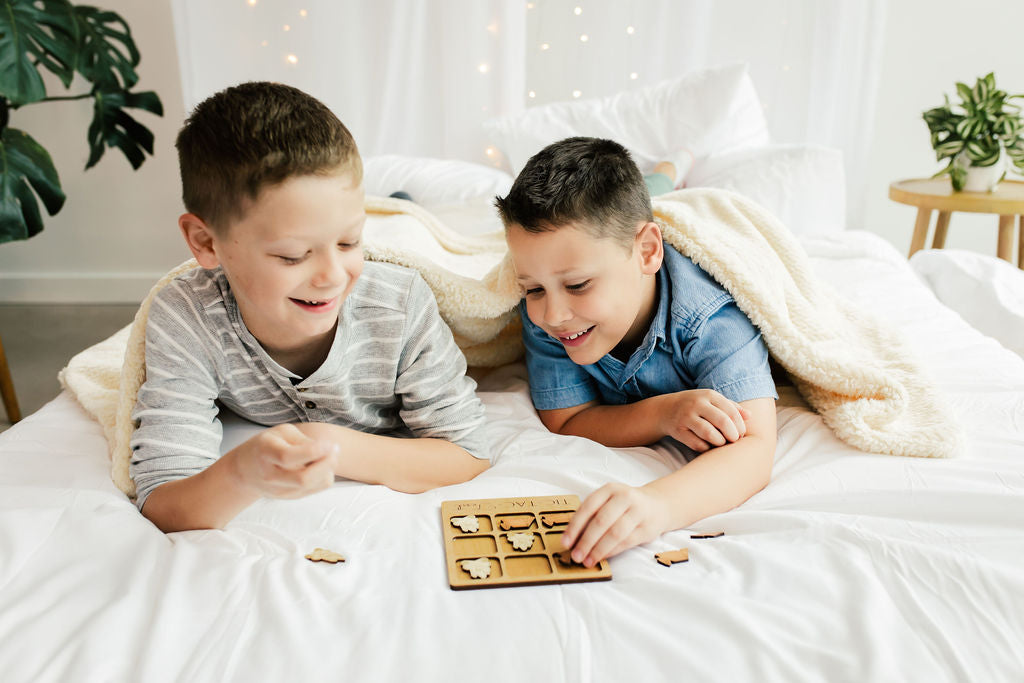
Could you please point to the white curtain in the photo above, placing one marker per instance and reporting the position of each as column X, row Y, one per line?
column 418, row 77
column 406, row 76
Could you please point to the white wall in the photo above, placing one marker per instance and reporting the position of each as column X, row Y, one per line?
column 117, row 232
column 929, row 45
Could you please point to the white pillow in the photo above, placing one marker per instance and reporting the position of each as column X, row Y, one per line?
column 432, row 182
column 803, row 185
column 986, row 291
column 704, row 111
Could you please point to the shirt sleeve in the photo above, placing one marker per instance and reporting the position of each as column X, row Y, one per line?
column 728, row 355
column 177, row 432
column 438, row 400
column 555, row 381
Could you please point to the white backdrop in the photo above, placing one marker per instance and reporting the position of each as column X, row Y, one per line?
column 418, row 77
column 815, row 64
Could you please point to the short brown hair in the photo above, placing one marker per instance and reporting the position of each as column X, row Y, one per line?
column 588, row 182
column 255, row 135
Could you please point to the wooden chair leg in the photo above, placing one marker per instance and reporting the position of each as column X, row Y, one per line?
column 1004, row 250
column 924, row 217
column 7, row 388
column 941, row 228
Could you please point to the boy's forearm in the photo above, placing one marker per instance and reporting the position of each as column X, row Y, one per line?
column 622, row 426
column 716, row 481
column 207, row 500
column 406, row 465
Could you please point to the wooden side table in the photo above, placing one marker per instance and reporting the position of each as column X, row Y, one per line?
column 931, row 194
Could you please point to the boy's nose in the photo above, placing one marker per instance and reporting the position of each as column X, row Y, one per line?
column 556, row 312
column 330, row 272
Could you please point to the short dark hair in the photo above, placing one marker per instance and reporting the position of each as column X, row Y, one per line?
column 587, row 181
column 255, row 135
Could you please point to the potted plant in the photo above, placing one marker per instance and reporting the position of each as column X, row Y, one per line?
column 978, row 136
column 65, row 40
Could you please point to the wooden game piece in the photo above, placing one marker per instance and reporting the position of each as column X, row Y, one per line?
column 551, row 519
column 479, row 568
column 521, row 541
column 714, row 534
column 516, row 522
column 565, row 557
column 469, row 523
column 325, row 555
column 669, row 558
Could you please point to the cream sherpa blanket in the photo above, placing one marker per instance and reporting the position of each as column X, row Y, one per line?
column 853, row 370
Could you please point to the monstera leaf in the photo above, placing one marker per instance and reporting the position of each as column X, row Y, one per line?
column 113, row 127
column 64, row 39
column 25, row 166
column 45, row 32
column 104, row 40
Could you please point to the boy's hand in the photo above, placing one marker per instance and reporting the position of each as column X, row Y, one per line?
column 702, row 419
column 612, row 519
column 282, row 462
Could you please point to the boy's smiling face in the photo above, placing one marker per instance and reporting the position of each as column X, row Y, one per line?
column 291, row 260
column 591, row 294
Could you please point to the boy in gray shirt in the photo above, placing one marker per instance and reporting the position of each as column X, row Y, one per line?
column 349, row 363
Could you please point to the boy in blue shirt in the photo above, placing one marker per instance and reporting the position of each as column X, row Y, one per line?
column 628, row 342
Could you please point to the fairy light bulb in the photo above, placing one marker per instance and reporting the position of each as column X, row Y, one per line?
column 584, row 38
column 577, row 11
column 292, row 59
column 576, row 93
column 483, row 67
column 633, row 76
column 630, row 30
column 303, row 13
column 544, row 46
column 531, row 94
column 287, row 28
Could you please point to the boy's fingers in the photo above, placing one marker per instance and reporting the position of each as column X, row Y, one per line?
column 734, row 413
column 708, row 432
column 724, row 422
column 579, row 521
column 302, row 455
column 616, row 534
column 600, row 522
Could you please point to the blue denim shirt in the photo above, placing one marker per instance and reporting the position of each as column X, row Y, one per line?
column 698, row 339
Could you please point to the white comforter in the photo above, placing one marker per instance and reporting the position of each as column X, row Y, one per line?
column 847, row 567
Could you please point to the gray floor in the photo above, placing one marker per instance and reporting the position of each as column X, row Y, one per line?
column 40, row 339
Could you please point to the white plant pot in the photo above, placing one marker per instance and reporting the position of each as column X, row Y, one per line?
column 985, row 178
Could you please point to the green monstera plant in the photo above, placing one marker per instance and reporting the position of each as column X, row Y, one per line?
column 978, row 131
column 65, row 40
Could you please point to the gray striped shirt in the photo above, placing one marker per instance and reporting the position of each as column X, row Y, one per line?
column 393, row 368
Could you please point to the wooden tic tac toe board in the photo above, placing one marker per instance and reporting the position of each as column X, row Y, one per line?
column 489, row 549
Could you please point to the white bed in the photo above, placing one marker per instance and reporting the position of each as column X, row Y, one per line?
column 847, row 567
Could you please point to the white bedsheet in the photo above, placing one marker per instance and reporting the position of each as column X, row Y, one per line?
column 847, row 567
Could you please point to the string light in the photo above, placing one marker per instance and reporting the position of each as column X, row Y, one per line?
column 578, row 11
column 633, row 76
column 544, row 46
column 630, row 30
column 287, row 27
column 483, row 68
column 584, row 38
column 490, row 151
column 531, row 94
column 303, row 13
column 264, row 44
column 252, row 3
column 529, row 5
column 292, row 59
column 576, row 93
column 493, row 27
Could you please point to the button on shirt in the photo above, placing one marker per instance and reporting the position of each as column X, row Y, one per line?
column 698, row 339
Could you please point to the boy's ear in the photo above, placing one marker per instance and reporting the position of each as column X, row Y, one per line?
column 650, row 247
column 199, row 238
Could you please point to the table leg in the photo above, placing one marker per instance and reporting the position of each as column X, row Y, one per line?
column 1004, row 250
column 7, row 389
column 924, row 217
column 1020, row 242
column 941, row 228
